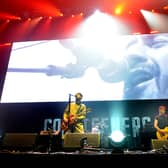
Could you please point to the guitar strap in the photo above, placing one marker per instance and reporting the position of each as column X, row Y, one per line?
column 79, row 109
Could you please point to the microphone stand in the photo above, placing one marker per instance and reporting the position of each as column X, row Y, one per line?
column 50, row 131
column 69, row 104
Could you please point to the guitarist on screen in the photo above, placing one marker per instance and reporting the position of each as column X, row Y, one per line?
column 161, row 124
column 73, row 116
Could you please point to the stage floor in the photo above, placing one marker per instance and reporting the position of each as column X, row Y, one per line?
column 85, row 156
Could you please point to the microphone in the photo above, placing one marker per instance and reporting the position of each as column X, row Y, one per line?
column 71, row 95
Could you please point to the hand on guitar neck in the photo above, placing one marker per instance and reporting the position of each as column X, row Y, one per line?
column 163, row 134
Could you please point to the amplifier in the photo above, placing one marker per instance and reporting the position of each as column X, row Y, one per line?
column 73, row 140
column 19, row 140
column 159, row 144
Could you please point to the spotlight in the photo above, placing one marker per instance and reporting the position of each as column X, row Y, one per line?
column 117, row 141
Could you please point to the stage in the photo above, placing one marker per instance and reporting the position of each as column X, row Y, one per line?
column 31, row 149
column 83, row 157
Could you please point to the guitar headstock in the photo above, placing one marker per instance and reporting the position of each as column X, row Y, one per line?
column 88, row 110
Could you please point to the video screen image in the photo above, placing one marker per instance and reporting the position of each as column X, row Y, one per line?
column 127, row 67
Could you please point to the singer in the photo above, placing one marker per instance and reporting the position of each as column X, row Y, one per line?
column 73, row 116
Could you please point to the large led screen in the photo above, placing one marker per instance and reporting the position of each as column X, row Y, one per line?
column 125, row 67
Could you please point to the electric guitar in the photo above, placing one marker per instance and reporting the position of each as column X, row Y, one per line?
column 72, row 120
column 162, row 136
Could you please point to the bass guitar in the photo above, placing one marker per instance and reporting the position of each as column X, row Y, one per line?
column 162, row 136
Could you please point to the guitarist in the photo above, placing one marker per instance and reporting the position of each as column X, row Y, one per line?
column 73, row 116
column 161, row 123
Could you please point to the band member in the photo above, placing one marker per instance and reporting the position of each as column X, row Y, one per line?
column 161, row 123
column 74, row 115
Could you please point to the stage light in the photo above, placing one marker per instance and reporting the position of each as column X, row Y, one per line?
column 119, row 9
column 117, row 141
column 117, row 136
column 155, row 21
